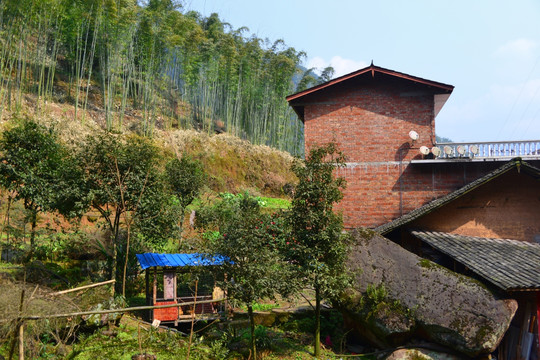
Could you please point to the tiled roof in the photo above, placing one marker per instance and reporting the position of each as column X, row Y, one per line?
column 435, row 204
column 507, row 264
column 147, row 260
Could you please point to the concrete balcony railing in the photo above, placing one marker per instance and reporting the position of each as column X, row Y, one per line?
column 487, row 150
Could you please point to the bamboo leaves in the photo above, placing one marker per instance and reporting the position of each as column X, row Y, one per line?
column 163, row 67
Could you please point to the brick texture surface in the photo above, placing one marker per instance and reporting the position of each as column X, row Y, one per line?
column 506, row 208
column 370, row 123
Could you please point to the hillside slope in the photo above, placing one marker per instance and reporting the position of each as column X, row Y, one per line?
column 233, row 164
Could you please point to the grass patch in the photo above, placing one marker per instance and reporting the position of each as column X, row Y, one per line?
column 261, row 307
column 124, row 342
column 275, row 203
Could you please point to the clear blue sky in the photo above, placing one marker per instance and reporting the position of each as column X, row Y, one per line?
column 488, row 49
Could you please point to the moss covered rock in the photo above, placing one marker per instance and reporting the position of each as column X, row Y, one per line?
column 434, row 303
column 419, row 354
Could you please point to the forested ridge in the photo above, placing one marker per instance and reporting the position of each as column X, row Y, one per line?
column 129, row 127
column 129, row 64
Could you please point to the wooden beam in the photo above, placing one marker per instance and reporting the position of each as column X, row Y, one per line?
column 154, row 292
column 146, row 287
column 175, row 283
column 21, row 342
column 111, row 311
column 83, row 287
column 148, row 313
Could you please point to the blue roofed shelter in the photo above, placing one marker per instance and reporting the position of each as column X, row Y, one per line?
column 163, row 272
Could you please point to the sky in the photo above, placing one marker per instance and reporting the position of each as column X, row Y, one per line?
column 488, row 49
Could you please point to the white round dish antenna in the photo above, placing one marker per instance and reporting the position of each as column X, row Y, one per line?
column 448, row 150
column 436, row 151
column 424, row 150
column 474, row 149
column 461, row 149
column 413, row 135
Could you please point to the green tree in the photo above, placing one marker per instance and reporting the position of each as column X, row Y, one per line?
column 327, row 74
column 124, row 183
column 316, row 230
column 158, row 217
column 308, row 79
column 442, row 139
column 254, row 267
column 38, row 169
column 186, row 178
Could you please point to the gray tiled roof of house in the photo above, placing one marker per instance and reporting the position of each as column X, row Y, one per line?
column 507, row 264
column 429, row 207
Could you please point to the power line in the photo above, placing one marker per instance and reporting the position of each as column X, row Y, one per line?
column 517, row 98
column 531, row 121
column 524, row 112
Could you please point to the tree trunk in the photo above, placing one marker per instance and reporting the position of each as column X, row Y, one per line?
column 6, row 219
column 252, row 332
column 33, row 230
column 317, row 350
column 115, row 271
column 114, row 267
column 126, row 260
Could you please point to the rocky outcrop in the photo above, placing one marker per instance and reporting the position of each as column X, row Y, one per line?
column 398, row 295
column 419, row 354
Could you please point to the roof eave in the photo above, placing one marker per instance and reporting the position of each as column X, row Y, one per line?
column 452, row 245
column 373, row 69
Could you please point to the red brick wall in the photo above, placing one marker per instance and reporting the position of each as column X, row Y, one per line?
column 506, row 207
column 371, row 123
column 377, row 193
column 370, row 120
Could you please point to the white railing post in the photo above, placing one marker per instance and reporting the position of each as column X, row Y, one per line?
column 493, row 149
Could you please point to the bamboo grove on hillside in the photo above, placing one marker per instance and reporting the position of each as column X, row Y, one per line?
column 162, row 66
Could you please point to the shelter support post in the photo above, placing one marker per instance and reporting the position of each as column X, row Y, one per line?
column 147, row 292
column 154, row 288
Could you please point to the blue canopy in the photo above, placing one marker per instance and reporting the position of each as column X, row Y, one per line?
column 148, row 260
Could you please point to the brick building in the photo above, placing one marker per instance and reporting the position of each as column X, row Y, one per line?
column 487, row 230
column 457, row 204
column 370, row 114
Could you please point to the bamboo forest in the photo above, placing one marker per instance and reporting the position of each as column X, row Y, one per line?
column 152, row 62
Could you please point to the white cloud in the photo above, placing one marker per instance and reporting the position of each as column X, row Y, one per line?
column 517, row 47
column 341, row 66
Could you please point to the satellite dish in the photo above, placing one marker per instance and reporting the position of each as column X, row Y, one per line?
column 436, row 151
column 424, row 150
column 474, row 149
column 461, row 149
column 448, row 150
column 413, row 135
